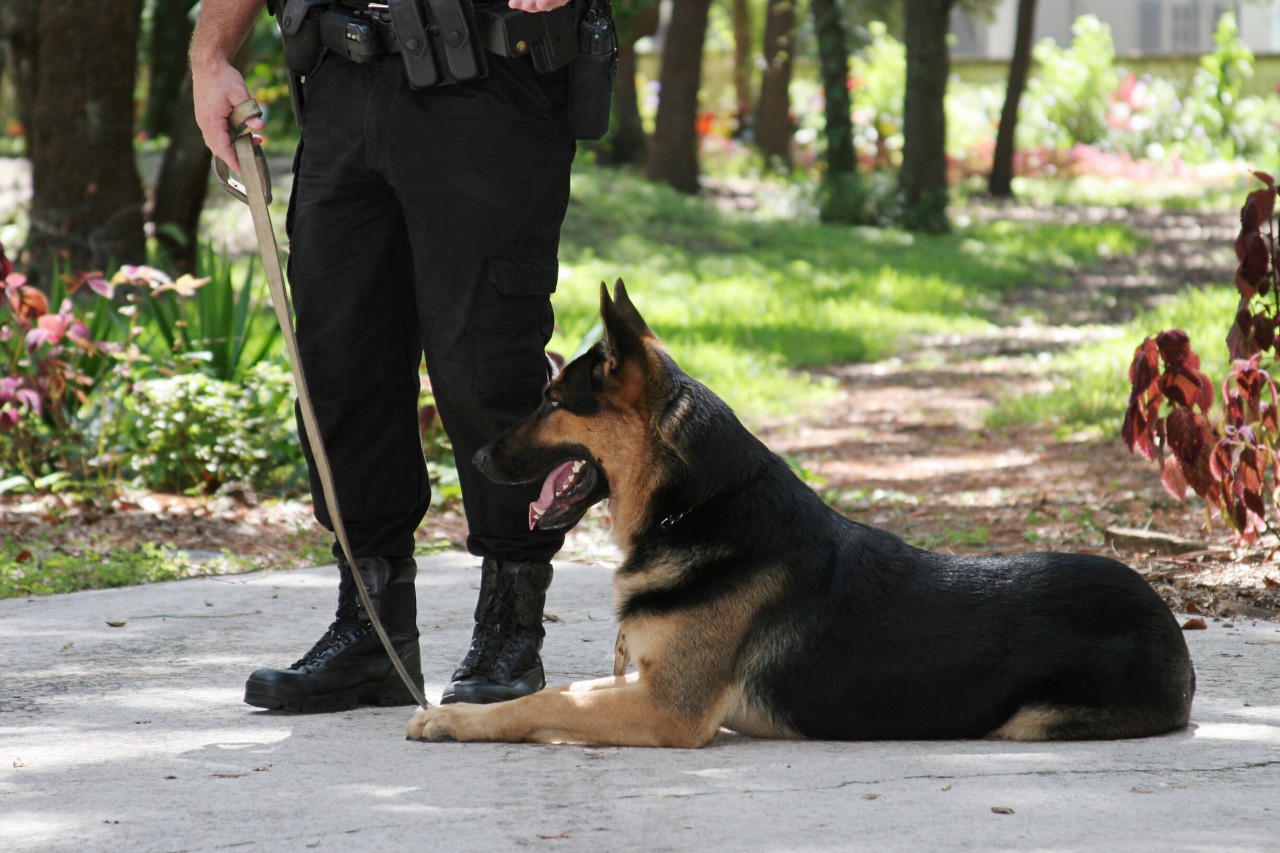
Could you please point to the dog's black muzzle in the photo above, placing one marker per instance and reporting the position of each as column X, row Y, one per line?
column 572, row 482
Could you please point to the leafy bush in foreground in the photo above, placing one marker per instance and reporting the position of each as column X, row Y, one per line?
column 1230, row 460
column 194, row 433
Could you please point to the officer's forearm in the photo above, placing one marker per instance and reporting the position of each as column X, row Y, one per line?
column 222, row 27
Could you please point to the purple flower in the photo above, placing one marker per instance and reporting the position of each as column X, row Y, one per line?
column 14, row 397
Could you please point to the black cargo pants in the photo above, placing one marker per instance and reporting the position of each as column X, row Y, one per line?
column 426, row 221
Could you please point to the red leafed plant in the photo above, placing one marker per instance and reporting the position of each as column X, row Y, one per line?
column 1230, row 461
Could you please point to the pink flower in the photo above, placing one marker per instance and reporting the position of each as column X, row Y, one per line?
column 137, row 275
column 94, row 280
column 186, row 285
column 14, row 398
column 53, row 328
column 100, row 286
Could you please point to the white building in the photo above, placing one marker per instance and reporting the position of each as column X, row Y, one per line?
column 1137, row 26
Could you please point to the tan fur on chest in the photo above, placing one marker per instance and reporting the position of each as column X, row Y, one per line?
column 695, row 655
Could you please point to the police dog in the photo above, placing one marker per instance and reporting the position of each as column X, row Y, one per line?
column 746, row 603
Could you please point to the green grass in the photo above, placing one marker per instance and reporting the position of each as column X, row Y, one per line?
column 741, row 300
column 42, row 567
column 1091, row 384
column 1225, row 192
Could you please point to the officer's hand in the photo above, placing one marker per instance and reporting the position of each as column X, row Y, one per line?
column 536, row 5
column 216, row 88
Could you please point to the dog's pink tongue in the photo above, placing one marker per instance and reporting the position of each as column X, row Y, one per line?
column 539, row 507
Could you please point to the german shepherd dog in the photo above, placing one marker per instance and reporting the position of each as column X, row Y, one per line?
column 747, row 603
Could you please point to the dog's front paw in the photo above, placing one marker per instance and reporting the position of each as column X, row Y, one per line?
column 429, row 724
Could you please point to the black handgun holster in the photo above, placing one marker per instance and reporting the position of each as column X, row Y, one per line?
column 445, row 41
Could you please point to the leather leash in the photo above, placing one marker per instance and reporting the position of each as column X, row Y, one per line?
column 255, row 191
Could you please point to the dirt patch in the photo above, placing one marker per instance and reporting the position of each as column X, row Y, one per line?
column 905, row 446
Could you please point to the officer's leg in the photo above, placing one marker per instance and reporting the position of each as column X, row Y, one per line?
column 484, row 171
column 352, row 291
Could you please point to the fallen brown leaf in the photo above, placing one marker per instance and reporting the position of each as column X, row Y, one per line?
column 1001, row 810
column 1194, row 624
column 117, row 623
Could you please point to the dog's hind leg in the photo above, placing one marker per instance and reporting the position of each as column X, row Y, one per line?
column 1040, row 722
column 604, row 716
column 1147, row 697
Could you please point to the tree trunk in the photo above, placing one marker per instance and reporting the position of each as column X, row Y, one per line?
column 1001, row 181
column 18, row 39
column 841, row 198
column 167, row 60
column 773, row 130
column 181, row 187
column 86, row 206
column 740, row 15
column 923, row 179
column 627, row 142
column 673, row 151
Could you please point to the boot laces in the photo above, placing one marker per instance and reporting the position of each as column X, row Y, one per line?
column 340, row 636
column 491, row 631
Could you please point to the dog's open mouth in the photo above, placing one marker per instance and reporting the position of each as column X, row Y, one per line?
column 567, row 493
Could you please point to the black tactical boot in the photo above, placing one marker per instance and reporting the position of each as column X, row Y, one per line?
column 349, row 666
column 503, row 661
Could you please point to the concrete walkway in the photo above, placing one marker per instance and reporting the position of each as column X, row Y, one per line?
column 134, row 738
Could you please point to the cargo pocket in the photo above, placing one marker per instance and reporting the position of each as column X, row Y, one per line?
column 517, row 325
column 524, row 273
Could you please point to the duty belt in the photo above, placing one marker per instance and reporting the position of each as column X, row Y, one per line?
column 439, row 41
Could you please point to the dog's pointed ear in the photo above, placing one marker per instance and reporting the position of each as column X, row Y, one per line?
column 624, row 328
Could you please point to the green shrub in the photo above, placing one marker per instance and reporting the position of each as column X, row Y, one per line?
column 878, row 80
column 193, row 433
column 1073, row 85
column 44, row 568
column 222, row 327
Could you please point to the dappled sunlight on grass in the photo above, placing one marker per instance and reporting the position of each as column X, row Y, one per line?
column 741, row 300
column 1207, row 189
column 1090, row 385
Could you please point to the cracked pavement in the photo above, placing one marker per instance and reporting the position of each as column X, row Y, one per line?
column 134, row 737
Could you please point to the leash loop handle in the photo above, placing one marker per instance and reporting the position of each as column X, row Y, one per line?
column 255, row 190
column 236, row 126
